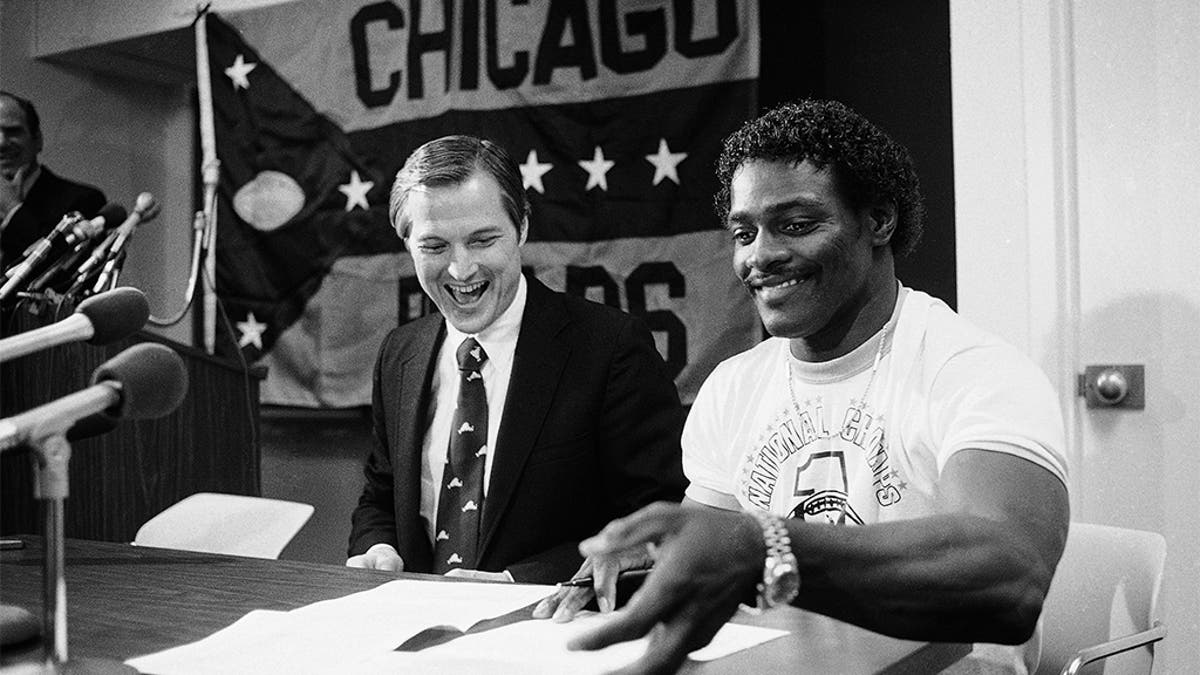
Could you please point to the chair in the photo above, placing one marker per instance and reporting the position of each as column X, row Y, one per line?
column 1104, row 602
column 210, row 522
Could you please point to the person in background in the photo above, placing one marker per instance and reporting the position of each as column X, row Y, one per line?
column 879, row 459
column 32, row 198
column 519, row 420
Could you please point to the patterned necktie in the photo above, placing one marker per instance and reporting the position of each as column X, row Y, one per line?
column 461, row 499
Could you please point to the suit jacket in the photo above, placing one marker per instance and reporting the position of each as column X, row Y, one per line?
column 590, row 432
column 49, row 199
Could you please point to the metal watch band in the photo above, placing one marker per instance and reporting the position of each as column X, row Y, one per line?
column 775, row 534
column 781, row 577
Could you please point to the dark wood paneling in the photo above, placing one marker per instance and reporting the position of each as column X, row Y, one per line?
column 120, row 479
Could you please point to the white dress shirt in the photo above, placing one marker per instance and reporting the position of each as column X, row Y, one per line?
column 499, row 341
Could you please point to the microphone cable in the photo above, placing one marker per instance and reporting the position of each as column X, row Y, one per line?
column 199, row 233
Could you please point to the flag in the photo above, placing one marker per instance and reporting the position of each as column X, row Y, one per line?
column 292, row 196
column 614, row 110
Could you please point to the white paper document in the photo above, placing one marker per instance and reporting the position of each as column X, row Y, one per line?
column 359, row 633
column 319, row 638
column 540, row 648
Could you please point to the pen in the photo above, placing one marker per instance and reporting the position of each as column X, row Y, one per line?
column 626, row 574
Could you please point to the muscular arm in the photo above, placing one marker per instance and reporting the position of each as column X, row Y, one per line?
column 977, row 571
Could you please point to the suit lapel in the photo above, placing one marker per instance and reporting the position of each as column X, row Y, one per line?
column 538, row 364
column 411, row 401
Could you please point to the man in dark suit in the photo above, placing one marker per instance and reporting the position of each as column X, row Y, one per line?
column 32, row 199
column 581, row 420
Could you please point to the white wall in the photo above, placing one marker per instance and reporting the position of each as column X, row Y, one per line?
column 1076, row 138
column 128, row 133
column 121, row 136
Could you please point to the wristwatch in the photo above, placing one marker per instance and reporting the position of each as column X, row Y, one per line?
column 781, row 574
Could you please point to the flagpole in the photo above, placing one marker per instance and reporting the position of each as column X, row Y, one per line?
column 210, row 175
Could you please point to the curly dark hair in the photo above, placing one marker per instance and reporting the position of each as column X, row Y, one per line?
column 868, row 166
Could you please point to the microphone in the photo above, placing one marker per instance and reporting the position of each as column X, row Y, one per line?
column 147, row 380
column 92, row 264
column 108, row 217
column 99, row 320
column 68, row 220
column 92, row 425
column 108, row 276
column 85, row 229
column 36, row 254
column 144, row 209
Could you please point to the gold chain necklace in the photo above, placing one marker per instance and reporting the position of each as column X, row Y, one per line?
column 870, row 380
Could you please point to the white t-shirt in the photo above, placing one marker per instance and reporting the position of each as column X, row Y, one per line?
column 812, row 448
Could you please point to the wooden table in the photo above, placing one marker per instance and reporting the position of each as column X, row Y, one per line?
column 124, row 601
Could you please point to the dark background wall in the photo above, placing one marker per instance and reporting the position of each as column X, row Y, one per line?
column 889, row 61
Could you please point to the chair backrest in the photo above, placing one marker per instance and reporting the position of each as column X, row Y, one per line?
column 232, row 524
column 1106, row 586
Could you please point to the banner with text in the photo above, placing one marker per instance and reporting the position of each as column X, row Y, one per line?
column 614, row 109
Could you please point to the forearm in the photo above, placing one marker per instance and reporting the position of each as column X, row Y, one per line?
column 975, row 570
column 951, row 577
column 374, row 518
column 371, row 523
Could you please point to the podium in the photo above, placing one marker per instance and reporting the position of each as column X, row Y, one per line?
column 122, row 478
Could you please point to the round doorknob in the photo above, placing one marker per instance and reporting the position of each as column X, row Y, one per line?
column 1111, row 386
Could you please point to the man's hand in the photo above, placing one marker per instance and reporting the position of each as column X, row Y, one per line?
column 603, row 569
column 479, row 575
column 378, row 557
column 707, row 561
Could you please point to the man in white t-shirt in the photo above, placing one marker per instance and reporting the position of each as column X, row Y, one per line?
column 879, row 459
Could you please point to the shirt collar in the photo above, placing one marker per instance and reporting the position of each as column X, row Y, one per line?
column 501, row 332
column 859, row 359
column 30, row 179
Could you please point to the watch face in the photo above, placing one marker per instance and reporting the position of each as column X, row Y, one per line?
column 781, row 585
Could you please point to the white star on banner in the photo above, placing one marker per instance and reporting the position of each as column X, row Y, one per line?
column 238, row 72
column 532, row 171
column 356, row 191
column 665, row 161
column 597, row 169
column 251, row 331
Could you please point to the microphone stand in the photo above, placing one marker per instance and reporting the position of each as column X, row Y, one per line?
column 53, row 455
